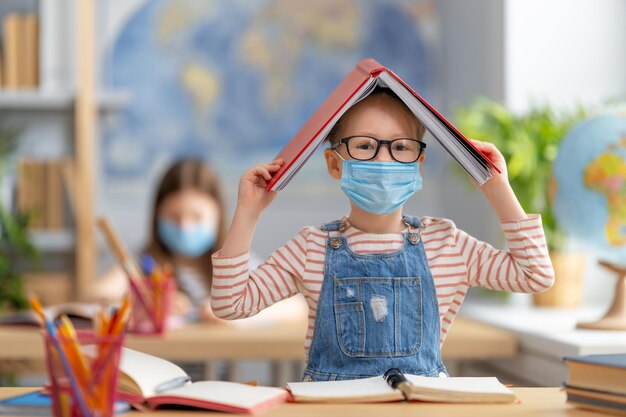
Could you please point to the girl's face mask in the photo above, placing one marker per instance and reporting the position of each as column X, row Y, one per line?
column 191, row 241
column 380, row 187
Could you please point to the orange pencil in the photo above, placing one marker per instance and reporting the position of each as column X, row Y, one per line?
column 65, row 363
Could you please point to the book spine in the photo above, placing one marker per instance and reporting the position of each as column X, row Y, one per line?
column 54, row 196
column 371, row 67
column 22, row 202
column 10, row 36
column 39, row 190
column 31, row 50
column 2, row 60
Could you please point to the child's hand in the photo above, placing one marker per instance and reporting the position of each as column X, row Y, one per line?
column 497, row 189
column 252, row 193
column 491, row 152
column 253, row 199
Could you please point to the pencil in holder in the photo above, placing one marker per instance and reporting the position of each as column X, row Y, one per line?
column 150, row 308
column 83, row 373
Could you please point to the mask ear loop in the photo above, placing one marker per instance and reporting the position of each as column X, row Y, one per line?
column 338, row 154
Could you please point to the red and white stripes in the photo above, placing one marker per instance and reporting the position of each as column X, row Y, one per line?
column 457, row 261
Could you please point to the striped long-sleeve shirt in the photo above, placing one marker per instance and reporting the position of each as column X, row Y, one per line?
column 457, row 261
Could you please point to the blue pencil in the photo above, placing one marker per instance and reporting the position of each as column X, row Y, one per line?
column 64, row 362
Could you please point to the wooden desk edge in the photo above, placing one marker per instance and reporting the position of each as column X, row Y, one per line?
column 531, row 401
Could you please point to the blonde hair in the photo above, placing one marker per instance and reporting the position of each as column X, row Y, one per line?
column 380, row 94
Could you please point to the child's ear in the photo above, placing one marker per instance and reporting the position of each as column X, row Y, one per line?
column 333, row 163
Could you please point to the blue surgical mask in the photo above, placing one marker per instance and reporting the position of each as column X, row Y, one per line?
column 190, row 241
column 380, row 187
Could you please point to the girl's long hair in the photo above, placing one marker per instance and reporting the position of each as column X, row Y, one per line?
column 183, row 175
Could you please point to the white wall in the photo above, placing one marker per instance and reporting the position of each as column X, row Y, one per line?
column 564, row 51
column 472, row 50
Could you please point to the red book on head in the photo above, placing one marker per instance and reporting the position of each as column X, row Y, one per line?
column 359, row 83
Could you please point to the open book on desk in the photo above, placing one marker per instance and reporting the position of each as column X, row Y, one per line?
column 80, row 314
column 153, row 382
column 358, row 84
column 421, row 388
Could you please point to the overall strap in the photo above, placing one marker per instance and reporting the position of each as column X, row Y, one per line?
column 334, row 230
column 412, row 221
column 414, row 236
column 333, row 226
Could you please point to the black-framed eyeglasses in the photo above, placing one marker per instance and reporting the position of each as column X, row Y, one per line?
column 365, row 148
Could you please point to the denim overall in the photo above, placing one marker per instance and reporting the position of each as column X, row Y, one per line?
column 375, row 311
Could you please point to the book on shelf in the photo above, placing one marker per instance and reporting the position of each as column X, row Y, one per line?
column 20, row 44
column 152, row 382
column 417, row 388
column 597, row 382
column 54, row 195
column 31, row 51
column 40, row 192
column 11, row 30
column 358, row 84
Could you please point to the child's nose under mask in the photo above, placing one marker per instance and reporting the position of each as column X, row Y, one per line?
column 380, row 187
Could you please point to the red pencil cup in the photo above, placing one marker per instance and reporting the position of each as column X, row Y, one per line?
column 83, row 385
column 151, row 306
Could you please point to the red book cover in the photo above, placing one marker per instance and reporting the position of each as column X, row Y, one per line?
column 230, row 397
column 306, row 137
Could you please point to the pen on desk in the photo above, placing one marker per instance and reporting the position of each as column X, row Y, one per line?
column 396, row 380
column 174, row 383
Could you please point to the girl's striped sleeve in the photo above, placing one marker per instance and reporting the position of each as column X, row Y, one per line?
column 237, row 292
column 524, row 267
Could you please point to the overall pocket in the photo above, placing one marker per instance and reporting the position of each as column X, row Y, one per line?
column 378, row 316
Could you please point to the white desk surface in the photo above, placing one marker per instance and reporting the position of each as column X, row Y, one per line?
column 546, row 331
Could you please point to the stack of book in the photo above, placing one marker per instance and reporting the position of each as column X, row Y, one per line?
column 40, row 186
column 19, row 68
column 597, row 382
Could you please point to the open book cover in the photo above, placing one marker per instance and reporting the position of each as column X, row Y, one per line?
column 376, row 389
column 357, row 85
column 80, row 314
column 152, row 382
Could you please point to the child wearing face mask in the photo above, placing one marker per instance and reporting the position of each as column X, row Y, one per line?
column 188, row 225
column 383, row 288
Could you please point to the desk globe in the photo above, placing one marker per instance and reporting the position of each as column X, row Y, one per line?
column 590, row 199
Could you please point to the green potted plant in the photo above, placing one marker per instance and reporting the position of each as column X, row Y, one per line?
column 529, row 142
column 14, row 240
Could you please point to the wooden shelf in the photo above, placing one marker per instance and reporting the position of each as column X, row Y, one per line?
column 53, row 240
column 34, row 100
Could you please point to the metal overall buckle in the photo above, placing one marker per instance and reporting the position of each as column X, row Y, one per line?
column 414, row 237
column 336, row 241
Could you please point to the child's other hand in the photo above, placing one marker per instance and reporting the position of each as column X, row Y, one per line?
column 491, row 152
column 252, row 193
